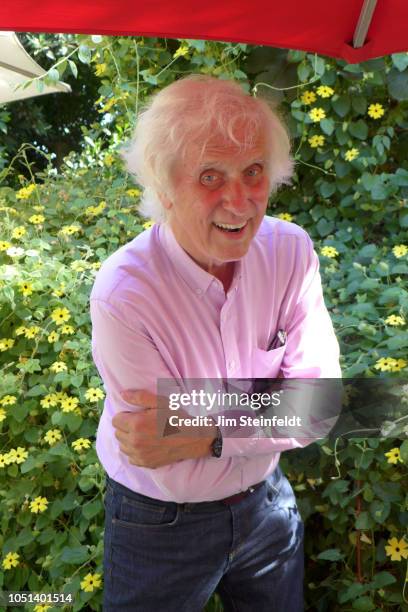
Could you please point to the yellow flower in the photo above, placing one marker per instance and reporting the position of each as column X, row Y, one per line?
column 133, row 193
column 389, row 364
column 39, row 504
column 26, row 289
column 20, row 330
column 18, row 232
column 317, row 114
column 397, row 549
column 59, row 292
column 375, row 111
column 41, row 608
column 78, row 265
column 10, row 560
column 17, row 455
column 394, row 456
column 148, row 224
column 38, row 207
column 325, row 91
column 96, row 265
column 394, row 320
column 316, row 141
column 285, row 216
column 52, row 436
column 181, row 51
column 53, row 337
column 69, row 404
column 91, row 210
column 351, row 154
column 49, row 400
column 328, row 251
column 100, row 69
column 67, row 329
column 2, row 414
column 108, row 160
column 8, row 400
column 36, row 219
column 67, row 230
column 32, row 331
column 93, row 394
column 6, row 343
column 91, row 582
column 108, row 105
column 3, row 461
column 308, row 97
column 25, row 192
column 58, row 366
column 400, row 250
column 81, row 443
column 60, row 315
column 4, row 245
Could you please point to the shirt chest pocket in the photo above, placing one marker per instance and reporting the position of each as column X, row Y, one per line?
column 266, row 364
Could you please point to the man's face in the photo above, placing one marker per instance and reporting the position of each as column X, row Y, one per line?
column 224, row 187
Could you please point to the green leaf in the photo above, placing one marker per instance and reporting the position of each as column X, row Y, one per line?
column 382, row 579
column 358, row 129
column 404, row 451
column 359, row 104
column 327, row 126
column 24, row 537
column 327, row 189
column 400, row 61
column 398, row 84
column 331, row 554
column 84, row 54
column 364, row 604
column 92, row 509
column 380, row 511
column 324, row 227
column 342, row 105
column 73, row 68
column 364, row 521
column 74, row 556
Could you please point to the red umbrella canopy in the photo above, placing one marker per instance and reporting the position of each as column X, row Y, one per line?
column 322, row 26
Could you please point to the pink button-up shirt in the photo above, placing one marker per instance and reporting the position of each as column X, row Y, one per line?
column 156, row 314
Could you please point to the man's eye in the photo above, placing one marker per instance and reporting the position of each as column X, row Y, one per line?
column 209, row 179
column 254, row 170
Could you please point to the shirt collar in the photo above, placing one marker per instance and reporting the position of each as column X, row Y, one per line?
column 198, row 279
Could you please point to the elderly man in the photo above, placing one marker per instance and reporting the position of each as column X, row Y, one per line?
column 214, row 290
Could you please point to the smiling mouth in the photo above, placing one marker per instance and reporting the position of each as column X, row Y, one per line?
column 229, row 227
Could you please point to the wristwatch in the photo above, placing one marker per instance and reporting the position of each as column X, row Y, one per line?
column 216, row 445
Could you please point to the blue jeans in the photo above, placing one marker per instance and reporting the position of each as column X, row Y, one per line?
column 168, row 557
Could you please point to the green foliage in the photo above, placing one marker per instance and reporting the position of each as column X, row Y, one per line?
column 350, row 192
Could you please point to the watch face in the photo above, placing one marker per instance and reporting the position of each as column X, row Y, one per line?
column 217, row 447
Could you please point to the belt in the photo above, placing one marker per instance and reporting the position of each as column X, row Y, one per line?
column 233, row 499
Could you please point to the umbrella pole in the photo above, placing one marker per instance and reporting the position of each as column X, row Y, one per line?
column 363, row 24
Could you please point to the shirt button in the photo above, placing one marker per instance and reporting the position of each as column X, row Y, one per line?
column 198, row 291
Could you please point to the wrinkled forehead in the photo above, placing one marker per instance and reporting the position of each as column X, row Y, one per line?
column 241, row 144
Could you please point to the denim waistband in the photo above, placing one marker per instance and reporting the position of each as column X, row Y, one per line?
column 203, row 506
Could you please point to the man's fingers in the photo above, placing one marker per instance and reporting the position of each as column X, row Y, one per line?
column 122, row 420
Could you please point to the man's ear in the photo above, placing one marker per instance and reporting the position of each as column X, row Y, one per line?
column 165, row 200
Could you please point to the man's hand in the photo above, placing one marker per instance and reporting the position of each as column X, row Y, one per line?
column 141, row 433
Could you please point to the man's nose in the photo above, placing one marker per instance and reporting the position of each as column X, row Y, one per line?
column 236, row 197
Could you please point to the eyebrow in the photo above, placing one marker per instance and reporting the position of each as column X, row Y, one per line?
column 216, row 164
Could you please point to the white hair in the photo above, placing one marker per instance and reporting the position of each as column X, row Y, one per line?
column 194, row 110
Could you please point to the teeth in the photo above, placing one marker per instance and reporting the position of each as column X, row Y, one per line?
column 228, row 226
